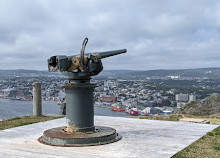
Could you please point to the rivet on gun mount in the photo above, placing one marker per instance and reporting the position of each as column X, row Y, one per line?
column 80, row 129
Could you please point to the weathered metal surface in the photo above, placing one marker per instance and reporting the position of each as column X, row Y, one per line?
column 80, row 66
column 111, row 53
column 79, row 107
column 80, row 129
column 100, row 136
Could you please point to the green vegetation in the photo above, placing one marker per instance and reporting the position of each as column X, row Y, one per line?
column 208, row 106
column 207, row 146
column 185, row 86
column 167, row 119
column 214, row 119
column 165, row 102
column 216, row 146
column 171, row 117
column 26, row 120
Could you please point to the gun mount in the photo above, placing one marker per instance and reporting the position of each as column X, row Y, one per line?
column 80, row 129
column 80, row 66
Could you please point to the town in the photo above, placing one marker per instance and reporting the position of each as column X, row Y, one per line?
column 150, row 96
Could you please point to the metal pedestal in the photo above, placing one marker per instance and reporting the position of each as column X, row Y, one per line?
column 79, row 129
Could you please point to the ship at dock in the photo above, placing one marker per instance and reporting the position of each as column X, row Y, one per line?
column 117, row 107
column 128, row 109
column 132, row 111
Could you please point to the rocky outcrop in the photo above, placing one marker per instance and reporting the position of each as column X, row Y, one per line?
column 208, row 106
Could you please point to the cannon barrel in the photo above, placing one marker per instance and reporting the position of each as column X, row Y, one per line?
column 111, row 53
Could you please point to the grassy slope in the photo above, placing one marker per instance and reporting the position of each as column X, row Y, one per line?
column 21, row 121
column 208, row 147
column 176, row 117
column 207, row 106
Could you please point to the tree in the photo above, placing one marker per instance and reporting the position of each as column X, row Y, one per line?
column 165, row 102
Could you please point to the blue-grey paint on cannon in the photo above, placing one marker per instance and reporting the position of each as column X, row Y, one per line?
column 80, row 129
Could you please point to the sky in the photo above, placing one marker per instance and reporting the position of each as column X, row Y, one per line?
column 158, row 34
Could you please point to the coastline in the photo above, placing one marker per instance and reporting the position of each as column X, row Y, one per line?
column 102, row 106
column 11, row 98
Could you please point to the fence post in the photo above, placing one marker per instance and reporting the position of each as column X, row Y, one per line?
column 37, row 102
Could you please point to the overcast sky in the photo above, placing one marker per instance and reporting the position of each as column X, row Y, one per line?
column 158, row 34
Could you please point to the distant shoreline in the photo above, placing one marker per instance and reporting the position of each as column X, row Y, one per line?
column 8, row 98
column 102, row 106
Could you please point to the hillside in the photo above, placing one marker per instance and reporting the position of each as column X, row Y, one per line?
column 211, row 73
column 202, row 72
column 21, row 72
column 208, row 106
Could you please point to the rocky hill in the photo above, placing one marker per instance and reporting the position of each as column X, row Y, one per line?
column 208, row 106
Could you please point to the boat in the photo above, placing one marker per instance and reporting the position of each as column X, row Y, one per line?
column 134, row 111
column 117, row 107
column 146, row 112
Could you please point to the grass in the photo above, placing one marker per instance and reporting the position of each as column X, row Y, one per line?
column 26, row 120
column 177, row 117
column 216, row 146
column 159, row 118
column 208, row 147
column 213, row 120
column 170, row 117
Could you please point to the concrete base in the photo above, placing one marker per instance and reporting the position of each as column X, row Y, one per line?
column 100, row 136
column 141, row 138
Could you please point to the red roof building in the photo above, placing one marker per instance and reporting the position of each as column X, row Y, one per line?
column 109, row 99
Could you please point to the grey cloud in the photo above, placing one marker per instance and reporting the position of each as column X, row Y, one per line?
column 157, row 34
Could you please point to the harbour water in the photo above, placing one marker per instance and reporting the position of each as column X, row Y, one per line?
column 13, row 108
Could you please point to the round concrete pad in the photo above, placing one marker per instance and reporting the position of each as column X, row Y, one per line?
column 57, row 137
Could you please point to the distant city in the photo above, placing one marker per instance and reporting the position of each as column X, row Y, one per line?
column 132, row 92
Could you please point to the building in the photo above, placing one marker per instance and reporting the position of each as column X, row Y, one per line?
column 180, row 105
column 166, row 112
column 9, row 92
column 109, row 99
column 182, row 97
column 20, row 95
column 146, row 111
column 61, row 95
column 192, row 97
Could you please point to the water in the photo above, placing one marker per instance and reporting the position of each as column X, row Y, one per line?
column 13, row 108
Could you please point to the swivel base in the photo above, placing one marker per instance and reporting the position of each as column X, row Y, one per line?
column 101, row 135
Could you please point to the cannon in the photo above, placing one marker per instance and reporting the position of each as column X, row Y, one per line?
column 80, row 129
column 80, row 66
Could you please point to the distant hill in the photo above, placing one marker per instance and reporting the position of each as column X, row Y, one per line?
column 23, row 72
column 208, row 106
column 211, row 73
column 202, row 72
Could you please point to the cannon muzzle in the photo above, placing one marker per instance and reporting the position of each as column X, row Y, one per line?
column 111, row 53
